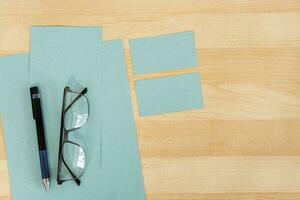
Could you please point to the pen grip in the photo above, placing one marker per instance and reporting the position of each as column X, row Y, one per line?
column 44, row 164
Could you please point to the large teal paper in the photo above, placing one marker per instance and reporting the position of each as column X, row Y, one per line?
column 169, row 94
column 58, row 55
column 120, row 175
column 163, row 53
column 113, row 167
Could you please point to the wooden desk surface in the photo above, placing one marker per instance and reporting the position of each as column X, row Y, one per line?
column 245, row 144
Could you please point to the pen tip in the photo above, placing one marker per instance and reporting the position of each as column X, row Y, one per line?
column 46, row 184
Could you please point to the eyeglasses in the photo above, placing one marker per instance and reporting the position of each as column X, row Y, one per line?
column 72, row 156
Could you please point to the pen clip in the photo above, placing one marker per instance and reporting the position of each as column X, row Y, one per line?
column 33, row 91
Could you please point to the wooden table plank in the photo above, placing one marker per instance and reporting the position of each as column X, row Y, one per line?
column 188, row 137
column 222, row 174
column 227, row 196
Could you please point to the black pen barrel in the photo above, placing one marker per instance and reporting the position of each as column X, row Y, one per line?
column 37, row 115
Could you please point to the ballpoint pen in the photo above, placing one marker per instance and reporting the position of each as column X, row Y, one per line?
column 38, row 117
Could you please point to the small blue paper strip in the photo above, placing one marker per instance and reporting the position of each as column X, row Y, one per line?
column 163, row 53
column 169, row 94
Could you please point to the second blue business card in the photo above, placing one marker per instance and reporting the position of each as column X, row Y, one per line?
column 169, row 94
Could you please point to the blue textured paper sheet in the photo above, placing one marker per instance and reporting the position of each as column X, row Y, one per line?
column 169, row 94
column 163, row 53
column 117, row 174
column 58, row 55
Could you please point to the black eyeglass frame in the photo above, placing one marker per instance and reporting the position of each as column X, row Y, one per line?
column 64, row 136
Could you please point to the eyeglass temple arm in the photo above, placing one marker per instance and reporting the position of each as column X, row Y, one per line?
column 60, row 141
column 72, row 174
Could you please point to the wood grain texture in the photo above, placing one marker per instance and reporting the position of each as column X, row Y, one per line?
column 245, row 143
